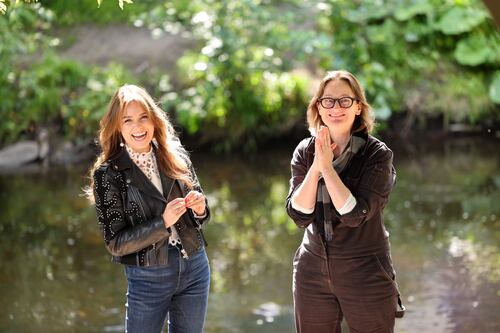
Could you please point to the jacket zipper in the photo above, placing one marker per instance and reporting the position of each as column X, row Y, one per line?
column 182, row 250
column 136, row 198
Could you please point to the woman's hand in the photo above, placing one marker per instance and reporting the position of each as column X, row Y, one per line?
column 323, row 147
column 196, row 201
column 173, row 212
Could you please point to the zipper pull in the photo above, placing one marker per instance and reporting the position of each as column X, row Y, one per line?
column 184, row 254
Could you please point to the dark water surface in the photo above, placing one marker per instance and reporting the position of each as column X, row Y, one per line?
column 444, row 219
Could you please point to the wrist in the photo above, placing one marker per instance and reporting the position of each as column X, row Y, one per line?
column 199, row 213
column 315, row 172
column 329, row 170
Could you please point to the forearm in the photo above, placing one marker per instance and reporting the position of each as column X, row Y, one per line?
column 339, row 193
column 133, row 239
column 305, row 195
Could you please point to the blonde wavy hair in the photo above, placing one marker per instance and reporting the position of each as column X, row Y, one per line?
column 363, row 123
column 173, row 158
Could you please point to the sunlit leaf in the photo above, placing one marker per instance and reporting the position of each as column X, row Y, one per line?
column 477, row 50
column 459, row 20
column 3, row 7
column 121, row 2
column 99, row 3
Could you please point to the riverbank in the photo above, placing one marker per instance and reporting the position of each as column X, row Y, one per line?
column 48, row 152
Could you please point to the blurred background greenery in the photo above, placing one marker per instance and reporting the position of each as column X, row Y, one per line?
column 251, row 65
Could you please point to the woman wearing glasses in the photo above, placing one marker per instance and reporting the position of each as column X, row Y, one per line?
column 340, row 184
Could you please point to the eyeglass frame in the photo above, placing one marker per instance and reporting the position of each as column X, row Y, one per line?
column 337, row 100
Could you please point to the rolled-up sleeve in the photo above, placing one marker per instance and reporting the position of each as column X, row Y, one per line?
column 299, row 168
column 372, row 193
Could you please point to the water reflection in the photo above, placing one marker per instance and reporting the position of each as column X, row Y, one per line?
column 443, row 217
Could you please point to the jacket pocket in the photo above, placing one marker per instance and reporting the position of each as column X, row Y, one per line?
column 385, row 266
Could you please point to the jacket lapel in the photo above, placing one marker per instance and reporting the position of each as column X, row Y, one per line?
column 167, row 184
column 144, row 184
column 122, row 162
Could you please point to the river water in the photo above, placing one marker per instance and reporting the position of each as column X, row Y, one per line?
column 443, row 216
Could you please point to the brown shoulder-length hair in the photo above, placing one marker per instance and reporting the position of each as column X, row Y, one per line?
column 173, row 158
column 363, row 123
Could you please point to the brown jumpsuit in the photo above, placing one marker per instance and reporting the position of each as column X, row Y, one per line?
column 352, row 275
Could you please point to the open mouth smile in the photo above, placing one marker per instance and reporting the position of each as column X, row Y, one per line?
column 139, row 136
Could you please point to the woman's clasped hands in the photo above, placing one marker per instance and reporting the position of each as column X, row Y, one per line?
column 323, row 151
column 177, row 207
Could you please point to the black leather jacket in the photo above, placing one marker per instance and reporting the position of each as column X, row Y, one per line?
column 129, row 210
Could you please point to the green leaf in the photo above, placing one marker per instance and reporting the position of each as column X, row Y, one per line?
column 477, row 50
column 121, row 2
column 495, row 88
column 3, row 7
column 99, row 3
column 459, row 20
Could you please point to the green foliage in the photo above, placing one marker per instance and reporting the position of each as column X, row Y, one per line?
column 81, row 10
column 424, row 56
column 88, row 104
column 237, row 85
column 478, row 49
column 64, row 95
column 244, row 81
column 21, row 35
column 90, row 11
column 458, row 20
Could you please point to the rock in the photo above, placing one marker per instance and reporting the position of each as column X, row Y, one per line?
column 18, row 154
column 43, row 141
column 69, row 153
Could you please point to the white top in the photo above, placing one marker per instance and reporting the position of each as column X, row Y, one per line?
column 147, row 163
column 348, row 206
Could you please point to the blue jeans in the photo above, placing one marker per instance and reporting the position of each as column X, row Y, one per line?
column 179, row 289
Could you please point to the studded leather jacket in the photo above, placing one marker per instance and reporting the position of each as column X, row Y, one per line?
column 129, row 211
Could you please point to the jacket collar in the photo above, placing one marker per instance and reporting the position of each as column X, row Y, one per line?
column 134, row 175
column 363, row 149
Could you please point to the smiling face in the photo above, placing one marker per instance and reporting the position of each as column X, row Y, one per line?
column 137, row 128
column 338, row 119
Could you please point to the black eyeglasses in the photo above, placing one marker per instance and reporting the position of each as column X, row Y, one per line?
column 329, row 102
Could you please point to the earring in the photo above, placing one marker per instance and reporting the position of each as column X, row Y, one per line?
column 122, row 144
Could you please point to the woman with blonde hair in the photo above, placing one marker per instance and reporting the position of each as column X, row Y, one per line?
column 150, row 208
column 340, row 184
